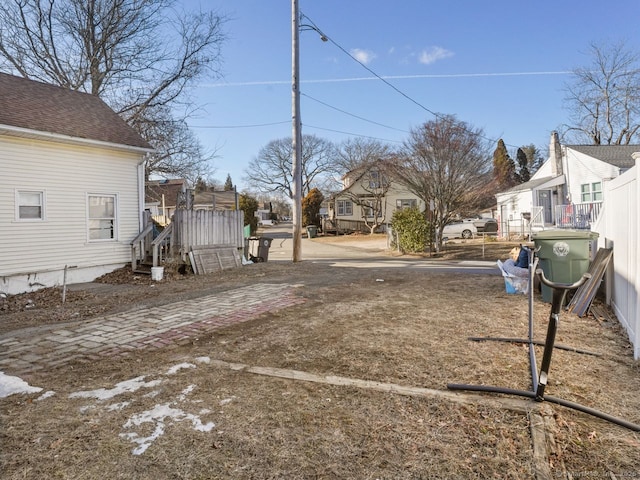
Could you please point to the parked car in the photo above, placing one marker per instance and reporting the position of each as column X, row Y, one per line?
column 486, row 225
column 461, row 229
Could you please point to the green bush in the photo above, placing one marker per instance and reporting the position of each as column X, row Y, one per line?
column 411, row 230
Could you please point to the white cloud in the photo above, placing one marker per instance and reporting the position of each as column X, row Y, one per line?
column 433, row 54
column 363, row 56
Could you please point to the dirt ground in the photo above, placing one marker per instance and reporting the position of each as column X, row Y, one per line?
column 350, row 384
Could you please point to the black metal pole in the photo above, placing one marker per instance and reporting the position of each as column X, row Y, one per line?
column 558, row 298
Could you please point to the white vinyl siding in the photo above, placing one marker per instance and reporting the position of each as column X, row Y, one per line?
column 587, row 171
column 68, row 174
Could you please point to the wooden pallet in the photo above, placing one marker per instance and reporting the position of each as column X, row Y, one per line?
column 214, row 258
column 581, row 300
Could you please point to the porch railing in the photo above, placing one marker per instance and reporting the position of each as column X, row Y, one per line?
column 579, row 216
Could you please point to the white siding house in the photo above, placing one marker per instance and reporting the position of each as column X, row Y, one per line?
column 566, row 192
column 71, row 189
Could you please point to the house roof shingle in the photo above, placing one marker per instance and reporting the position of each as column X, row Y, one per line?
column 616, row 155
column 170, row 188
column 41, row 107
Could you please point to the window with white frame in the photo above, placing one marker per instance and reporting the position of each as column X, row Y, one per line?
column 374, row 179
column 591, row 192
column 102, row 217
column 367, row 208
column 406, row 203
column 345, row 207
column 30, row 205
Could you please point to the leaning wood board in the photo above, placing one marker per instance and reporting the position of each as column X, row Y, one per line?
column 214, row 258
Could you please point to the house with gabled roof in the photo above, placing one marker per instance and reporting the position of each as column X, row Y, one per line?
column 162, row 197
column 369, row 196
column 566, row 192
column 71, row 189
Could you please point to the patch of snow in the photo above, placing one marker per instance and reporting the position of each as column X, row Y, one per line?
column 227, row 400
column 159, row 415
column 178, row 367
column 118, row 406
column 203, row 360
column 127, row 386
column 10, row 385
column 185, row 392
column 46, row 395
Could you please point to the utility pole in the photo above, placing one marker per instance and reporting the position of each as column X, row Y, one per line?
column 297, row 135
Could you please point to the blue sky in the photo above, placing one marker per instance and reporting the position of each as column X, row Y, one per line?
column 497, row 65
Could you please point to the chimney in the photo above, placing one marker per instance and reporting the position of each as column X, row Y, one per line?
column 555, row 154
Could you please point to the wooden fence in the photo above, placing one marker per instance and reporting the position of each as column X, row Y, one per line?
column 206, row 227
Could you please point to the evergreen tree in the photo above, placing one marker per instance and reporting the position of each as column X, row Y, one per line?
column 228, row 184
column 311, row 207
column 201, row 185
column 534, row 158
column 249, row 206
column 523, row 166
column 504, row 168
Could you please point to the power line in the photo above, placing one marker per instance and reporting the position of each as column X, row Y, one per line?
column 385, row 81
column 349, row 133
column 241, row 126
column 352, row 115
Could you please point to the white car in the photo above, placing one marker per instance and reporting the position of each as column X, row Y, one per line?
column 461, row 229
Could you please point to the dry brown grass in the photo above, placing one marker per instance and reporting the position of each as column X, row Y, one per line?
column 411, row 329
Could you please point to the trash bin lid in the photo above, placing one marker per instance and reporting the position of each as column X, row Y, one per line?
column 565, row 234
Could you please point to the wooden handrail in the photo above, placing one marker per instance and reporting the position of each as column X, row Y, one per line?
column 136, row 242
column 158, row 241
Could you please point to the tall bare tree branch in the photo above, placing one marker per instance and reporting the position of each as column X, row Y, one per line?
column 140, row 56
column 445, row 163
column 271, row 170
column 604, row 98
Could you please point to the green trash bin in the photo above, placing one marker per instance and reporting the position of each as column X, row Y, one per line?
column 564, row 256
column 312, row 231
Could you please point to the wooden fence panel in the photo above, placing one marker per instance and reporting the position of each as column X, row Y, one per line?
column 206, row 227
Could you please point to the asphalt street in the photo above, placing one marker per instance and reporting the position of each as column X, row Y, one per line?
column 361, row 253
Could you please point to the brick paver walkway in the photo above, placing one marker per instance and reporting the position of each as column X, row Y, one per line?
column 148, row 328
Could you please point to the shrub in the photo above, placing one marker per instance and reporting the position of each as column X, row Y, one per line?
column 411, row 230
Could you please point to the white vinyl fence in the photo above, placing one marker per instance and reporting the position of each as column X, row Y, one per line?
column 619, row 228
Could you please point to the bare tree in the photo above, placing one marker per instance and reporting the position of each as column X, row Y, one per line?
column 369, row 189
column 354, row 153
column 446, row 163
column 139, row 56
column 271, row 170
column 604, row 99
